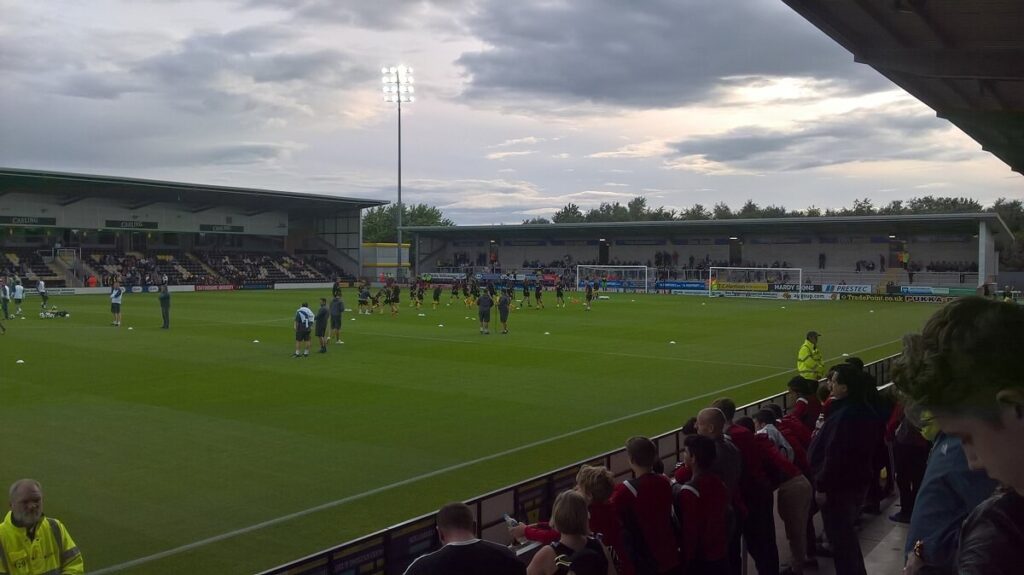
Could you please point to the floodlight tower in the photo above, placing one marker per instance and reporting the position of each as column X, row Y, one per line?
column 398, row 87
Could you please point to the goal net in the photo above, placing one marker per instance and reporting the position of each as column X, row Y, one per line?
column 763, row 283
column 614, row 278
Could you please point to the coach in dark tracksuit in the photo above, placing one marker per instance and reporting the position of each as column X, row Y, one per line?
column 840, row 458
column 165, row 306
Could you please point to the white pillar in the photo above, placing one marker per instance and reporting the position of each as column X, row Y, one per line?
column 988, row 264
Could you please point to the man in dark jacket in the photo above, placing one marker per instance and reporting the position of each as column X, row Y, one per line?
column 964, row 368
column 840, row 457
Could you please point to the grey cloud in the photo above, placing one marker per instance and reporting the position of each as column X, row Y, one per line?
column 867, row 135
column 656, row 53
column 194, row 73
column 376, row 14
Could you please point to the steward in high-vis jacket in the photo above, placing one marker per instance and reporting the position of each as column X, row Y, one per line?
column 32, row 544
column 808, row 360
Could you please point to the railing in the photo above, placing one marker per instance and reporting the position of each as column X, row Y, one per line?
column 391, row 550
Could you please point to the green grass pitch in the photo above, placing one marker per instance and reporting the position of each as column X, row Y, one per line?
column 148, row 440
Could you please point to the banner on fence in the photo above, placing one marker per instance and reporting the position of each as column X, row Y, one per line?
column 739, row 286
column 843, row 288
column 218, row 287
column 311, row 285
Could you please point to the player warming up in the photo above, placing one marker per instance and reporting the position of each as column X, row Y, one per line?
column 484, row 304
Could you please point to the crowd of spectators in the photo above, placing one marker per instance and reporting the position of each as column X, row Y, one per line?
column 944, row 266
column 952, row 432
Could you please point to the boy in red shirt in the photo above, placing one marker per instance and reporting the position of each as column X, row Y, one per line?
column 644, row 505
column 702, row 505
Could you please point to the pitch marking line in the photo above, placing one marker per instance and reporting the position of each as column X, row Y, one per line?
column 330, row 504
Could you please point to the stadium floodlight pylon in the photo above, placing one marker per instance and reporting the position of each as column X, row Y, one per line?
column 616, row 278
column 754, row 282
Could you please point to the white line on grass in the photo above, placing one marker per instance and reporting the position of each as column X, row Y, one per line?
column 323, row 506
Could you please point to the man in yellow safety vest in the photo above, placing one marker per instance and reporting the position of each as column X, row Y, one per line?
column 31, row 543
column 808, row 360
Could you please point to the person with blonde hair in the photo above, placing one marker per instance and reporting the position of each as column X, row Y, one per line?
column 576, row 550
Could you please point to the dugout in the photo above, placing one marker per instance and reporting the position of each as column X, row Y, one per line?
column 960, row 248
column 44, row 215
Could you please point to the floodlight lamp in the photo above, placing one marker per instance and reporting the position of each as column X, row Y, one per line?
column 409, row 80
column 393, row 70
column 411, row 99
column 384, row 70
column 892, row 236
column 411, row 89
column 408, row 70
column 733, row 238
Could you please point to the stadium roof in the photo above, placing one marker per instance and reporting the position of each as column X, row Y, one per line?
column 136, row 193
column 964, row 59
column 889, row 225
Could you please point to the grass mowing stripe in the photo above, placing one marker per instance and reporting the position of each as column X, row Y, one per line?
column 442, row 471
column 564, row 350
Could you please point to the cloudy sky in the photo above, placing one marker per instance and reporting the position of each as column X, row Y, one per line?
column 521, row 106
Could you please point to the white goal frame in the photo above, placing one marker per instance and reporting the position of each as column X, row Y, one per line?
column 799, row 282
column 646, row 274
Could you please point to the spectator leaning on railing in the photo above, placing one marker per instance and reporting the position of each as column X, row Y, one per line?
column 462, row 551
column 964, row 368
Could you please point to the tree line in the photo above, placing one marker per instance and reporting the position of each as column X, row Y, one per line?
column 637, row 210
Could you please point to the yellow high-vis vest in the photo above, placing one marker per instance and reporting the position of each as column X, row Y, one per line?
column 51, row 550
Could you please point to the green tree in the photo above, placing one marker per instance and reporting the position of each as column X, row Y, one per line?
column 697, row 212
column 722, row 211
column 893, row 208
column 812, row 211
column 537, row 221
column 570, row 214
column 750, row 210
column 637, row 208
column 943, row 205
column 607, row 212
column 379, row 223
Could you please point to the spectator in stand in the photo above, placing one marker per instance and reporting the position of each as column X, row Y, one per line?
column 727, row 465
column 794, row 490
column 964, row 368
column 949, row 491
column 756, row 491
column 702, row 505
column 910, row 455
column 596, row 484
column 841, row 462
column 644, row 506
column 806, row 408
column 576, row 551
column 809, row 363
column 462, row 551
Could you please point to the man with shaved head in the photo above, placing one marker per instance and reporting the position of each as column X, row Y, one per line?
column 31, row 543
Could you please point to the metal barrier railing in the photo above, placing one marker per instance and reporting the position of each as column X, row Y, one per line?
column 391, row 550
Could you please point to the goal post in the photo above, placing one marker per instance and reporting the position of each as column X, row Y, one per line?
column 760, row 283
column 614, row 278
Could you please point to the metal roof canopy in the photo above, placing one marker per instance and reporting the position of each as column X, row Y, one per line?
column 137, row 193
column 900, row 226
column 963, row 58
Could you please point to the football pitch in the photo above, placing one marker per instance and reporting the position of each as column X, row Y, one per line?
column 204, row 452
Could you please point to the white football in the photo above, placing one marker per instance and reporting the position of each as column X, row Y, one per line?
column 255, row 341
column 440, row 325
column 20, row 361
column 672, row 342
column 67, row 315
column 547, row 333
column 131, row 328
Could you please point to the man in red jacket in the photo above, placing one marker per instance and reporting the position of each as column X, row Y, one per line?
column 644, row 505
column 702, row 504
column 759, row 526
